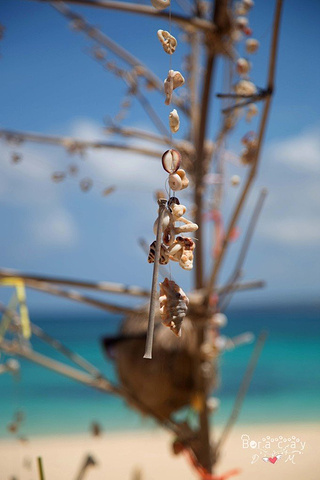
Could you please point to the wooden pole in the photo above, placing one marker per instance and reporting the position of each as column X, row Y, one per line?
column 148, row 351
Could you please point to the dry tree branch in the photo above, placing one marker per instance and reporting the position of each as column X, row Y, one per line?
column 225, row 299
column 253, row 170
column 183, row 21
column 68, row 142
column 76, row 296
column 99, row 286
column 135, row 132
column 105, row 41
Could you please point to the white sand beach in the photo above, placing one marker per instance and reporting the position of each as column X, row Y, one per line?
column 120, row 455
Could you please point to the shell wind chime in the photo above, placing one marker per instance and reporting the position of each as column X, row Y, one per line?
column 171, row 223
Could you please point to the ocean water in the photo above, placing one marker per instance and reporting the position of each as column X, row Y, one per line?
column 285, row 386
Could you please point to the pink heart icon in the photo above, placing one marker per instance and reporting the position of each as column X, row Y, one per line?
column 272, row 459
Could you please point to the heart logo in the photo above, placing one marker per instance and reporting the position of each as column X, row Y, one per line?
column 272, row 459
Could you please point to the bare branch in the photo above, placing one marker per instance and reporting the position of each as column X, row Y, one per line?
column 66, row 142
column 99, row 286
column 183, row 21
column 224, row 301
column 76, row 296
column 253, row 170
column 102, row 39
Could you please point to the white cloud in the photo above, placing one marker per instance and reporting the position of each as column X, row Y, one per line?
column 54, row 230
column 301, row 152
column 291, row 168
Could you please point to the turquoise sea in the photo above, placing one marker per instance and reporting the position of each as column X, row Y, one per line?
column 285, row 386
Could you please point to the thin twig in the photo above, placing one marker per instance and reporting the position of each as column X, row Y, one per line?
column 135, row 132
column 76, row 296
column 253, row 170
column 81, row 144
column 182, row 20
column 109, row 287
column 102, row 39
column 148, row 351
column 244, row 386
column 224, row 301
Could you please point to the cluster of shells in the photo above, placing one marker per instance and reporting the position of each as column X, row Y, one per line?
column 244, row 88
column 174, row 246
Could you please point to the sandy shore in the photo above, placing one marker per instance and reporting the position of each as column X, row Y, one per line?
column 119, row 455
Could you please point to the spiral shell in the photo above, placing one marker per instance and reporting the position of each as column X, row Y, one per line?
column 160, row 4
column 174, row 121
column 173, row 81
column 168, row 41
column 173, row 305
column 171, row 160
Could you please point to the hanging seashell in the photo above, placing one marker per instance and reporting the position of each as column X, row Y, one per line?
column 168, row 87
column 86, row 184
column 173, row 81
column 173, row 305
column 184, row 178
column 16, row 158
column 252, row 45
column 243, row 66
column 58, row 176
column 160, row 4
column 168, row 41
column 213, row 404
column 235, row 180
column 182, row 251
column 178, row 79
column 174, row 121
column 171, row 160
column 175, row 182
column 246, row 88
column 252, row 111
column 107, row 191
column 242, row 23
column 164, row 257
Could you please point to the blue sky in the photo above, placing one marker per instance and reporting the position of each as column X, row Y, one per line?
column 50, row 84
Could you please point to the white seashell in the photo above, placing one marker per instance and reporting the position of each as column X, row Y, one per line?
column 171, row 160
column 252, row 45
column 178, row 79
column 184, row 179
column 219, row 320
column 168, row 87
column 235, row 180
column 213, row 404
column 160, row 4
column 242, row 23
column 173, row 81
column 244, row 87
column 175, row 182
column 168, row 41
column 174, row 121
column 243, row 66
